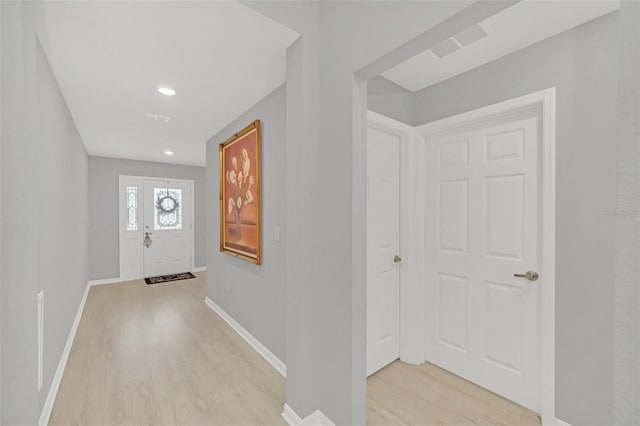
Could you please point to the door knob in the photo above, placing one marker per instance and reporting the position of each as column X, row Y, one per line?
column 530, row 275
column 396, row 258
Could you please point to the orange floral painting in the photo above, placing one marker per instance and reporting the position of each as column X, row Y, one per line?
column 240, row 194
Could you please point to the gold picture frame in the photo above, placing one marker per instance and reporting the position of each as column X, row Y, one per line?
column 240, row 195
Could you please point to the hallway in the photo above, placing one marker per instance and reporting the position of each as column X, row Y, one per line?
column 156, row 354
column 95, row 91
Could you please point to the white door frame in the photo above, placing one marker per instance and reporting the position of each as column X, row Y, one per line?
column 123, row 182
column 411, row 350
column 545, row 100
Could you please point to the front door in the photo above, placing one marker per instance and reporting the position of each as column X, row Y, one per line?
column 383, row 241
column 482, row 222
column 167, row 228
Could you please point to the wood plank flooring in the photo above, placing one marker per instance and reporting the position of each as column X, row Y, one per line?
column 404, row 394
column 157, row 355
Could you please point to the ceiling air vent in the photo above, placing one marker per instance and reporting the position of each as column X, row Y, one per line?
column 157, row 117
column 446, row 47
column 462, row 39
column 471, row 34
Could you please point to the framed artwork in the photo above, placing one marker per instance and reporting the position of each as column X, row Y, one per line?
column 240, row 185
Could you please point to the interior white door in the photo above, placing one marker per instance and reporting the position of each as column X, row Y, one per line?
column 482, row 223
column 383, row 241
column 167, row 227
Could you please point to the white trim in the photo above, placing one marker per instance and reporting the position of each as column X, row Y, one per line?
column 546, row 100
column 480, row 114
column 107, row 281
column 290, row 416
column 561, row 422
column 192, row 187
column 123, row 182
column 387, row 123
column 411, row 346
column 317, row 418
column 200, row 269
column 157, row 178
column 248, row 337
column 47, row 408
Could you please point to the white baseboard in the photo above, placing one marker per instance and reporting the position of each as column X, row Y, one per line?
column 291, row 417
column 317, row 418
column 255, row 343
column 561, row 422
column 105, row 281
column 45, row 414
column 201, row 269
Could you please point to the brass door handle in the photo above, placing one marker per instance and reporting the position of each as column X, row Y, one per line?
column 396, row 258
column 530, row 275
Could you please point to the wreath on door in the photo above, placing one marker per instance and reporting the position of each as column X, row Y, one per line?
column 167, row 204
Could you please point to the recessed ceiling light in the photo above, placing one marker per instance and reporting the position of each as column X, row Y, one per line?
column 168, row 152
column 168, row 91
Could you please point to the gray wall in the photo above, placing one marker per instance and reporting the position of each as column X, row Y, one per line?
column 253, row 295
column 44, row 215
column 389, row 99
column 104, row 254
column 627, row 290
column 583, row 66
column 63, row 216
column 20, row 186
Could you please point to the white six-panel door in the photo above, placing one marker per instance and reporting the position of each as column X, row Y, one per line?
column 383, row 242
column 482, row 222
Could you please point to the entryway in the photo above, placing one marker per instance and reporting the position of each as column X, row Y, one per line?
column 156, row 226
column 460, row 251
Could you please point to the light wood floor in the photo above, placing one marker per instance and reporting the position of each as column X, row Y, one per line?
column 404, row 394
column 158, row 355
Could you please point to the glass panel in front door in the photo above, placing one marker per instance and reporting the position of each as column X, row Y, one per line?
column 167, row 209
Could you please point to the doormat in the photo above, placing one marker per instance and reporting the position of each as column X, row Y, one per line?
column 167, row 278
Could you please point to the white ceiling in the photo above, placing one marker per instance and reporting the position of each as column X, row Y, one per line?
column 515, row 28
column 110, row 57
